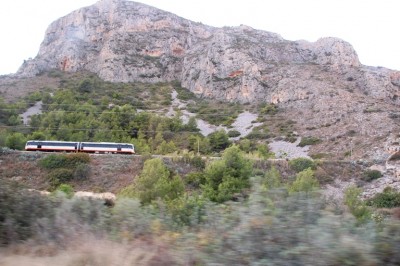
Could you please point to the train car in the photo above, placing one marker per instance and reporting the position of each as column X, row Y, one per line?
column 106, row 147
column 48, row 145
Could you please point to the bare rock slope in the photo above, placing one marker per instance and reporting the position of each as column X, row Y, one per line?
column 128, row 41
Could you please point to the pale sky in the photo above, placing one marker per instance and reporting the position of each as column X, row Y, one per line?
column 371, row 26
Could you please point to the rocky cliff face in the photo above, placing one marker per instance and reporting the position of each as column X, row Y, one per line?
column 127, row 41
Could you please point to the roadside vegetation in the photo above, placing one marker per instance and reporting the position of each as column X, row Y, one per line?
column 225, row 206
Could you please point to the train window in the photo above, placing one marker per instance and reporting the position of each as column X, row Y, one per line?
column 63, row 144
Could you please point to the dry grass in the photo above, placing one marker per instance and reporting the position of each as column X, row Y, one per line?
column 89, row 251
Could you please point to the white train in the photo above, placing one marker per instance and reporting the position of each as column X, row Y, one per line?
column 71, row 146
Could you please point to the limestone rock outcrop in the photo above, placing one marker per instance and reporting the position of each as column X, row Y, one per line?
column 124, row 41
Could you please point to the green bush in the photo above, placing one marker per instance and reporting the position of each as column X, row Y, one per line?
column 370, row 175
column 389, row 198
column 356, row 206
column 264, row 152
column 300, row 164
column 198, row 162
column 16, row 141
column 260, row 132
column 82, row 171
column 74, row 159
column 320, row 155
column 268, row 109
column 309, row 141
column 219, row 140
column 60, row 175
column 156, row 181
column 233, row 133
column 195, row 179
column 128, row 192
column 53, row 161
column 20, row 210
column 71, row 160
column 187, row 210
column 305, row 182
column 227, row 176
column 67, row 189
column 272, row 179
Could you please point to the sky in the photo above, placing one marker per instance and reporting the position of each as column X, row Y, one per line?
column 370, row 26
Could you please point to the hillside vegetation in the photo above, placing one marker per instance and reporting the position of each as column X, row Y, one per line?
column 257, row 213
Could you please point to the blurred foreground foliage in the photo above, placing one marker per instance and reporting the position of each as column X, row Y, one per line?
column 275, row 224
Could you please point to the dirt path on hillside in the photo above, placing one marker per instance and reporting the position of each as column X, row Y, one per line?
column 34, row 110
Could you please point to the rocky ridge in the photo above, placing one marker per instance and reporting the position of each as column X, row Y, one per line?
column 128, row 41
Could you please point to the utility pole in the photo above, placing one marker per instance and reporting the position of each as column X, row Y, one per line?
column 351, row 150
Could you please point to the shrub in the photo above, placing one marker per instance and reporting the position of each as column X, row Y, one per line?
column 195, row 179
column 227, row 176
column 155, row 182
column 198, row 162
column 82, row 171
column 166, row 147
column 268, row 108
column 272, row 179
column 370, row 175
column 219, row 140
column 309, row 141
column 246, row 145
column 74, row 159
column 389, row 198
column 356, row 206
column 300, row 164
column 187, row 210
column 128, row 192
column 67, row 189
column 264, row 152
column 260, row 132
column 321, row 155
column 53, row 161
column 233, row 133
column 305, row 182
column 16, row 141
column 19, row 211
column 60, row 175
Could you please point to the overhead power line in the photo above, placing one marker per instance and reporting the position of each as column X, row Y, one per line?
column 98, row 129
column 117, row 112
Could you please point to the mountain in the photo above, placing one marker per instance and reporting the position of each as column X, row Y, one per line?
column 320, row 86
column 128, row 41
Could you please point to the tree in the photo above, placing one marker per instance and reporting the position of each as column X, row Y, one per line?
column 155, row 182
column 300, row 164
column 14, row 120
column 192, row 125
column 219, row 140
column 305, row 182
column 272, row 179
column 16, row 141
column 166, row 147
column 199, row 144
column 245, row 145
column 263, row 151
column 38, row 135
column 86, row 86
column 356, row 206
column 227, row 176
